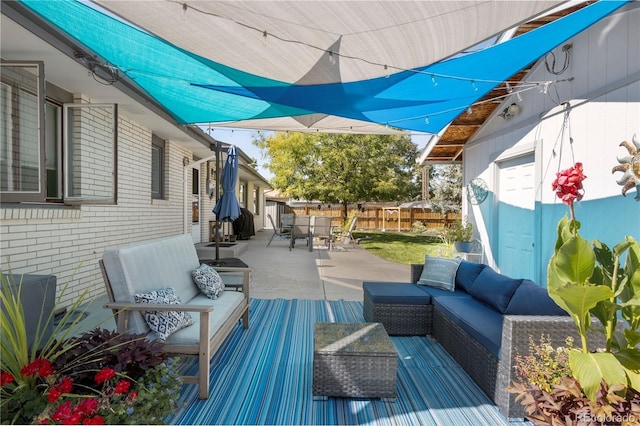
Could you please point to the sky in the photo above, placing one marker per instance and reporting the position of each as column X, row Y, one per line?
column 242, row 138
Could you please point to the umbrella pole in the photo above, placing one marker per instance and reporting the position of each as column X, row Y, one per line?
column 217, row 225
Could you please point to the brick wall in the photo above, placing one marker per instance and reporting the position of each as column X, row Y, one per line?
column 68, row 241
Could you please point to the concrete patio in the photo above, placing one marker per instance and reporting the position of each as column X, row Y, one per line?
column 276, row 272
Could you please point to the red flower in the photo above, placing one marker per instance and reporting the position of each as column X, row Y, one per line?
column 40, row 367
column 568, row 184
column 104, row 375
column 6, row 378
column 122, row 387
column 65, row 385
column 88, row 407
column 97, row 420
column 54, row 395
column 56, row 391
column 62, row 412
column 133, row 395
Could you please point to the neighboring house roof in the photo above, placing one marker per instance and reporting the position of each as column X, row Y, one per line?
column 448, row 146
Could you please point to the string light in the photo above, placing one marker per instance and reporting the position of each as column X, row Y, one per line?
column 351, row 57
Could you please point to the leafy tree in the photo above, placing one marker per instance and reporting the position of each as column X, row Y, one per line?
column 445, row 187
column 342, row 168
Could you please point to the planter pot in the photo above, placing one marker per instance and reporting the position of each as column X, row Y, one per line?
column 463, row 246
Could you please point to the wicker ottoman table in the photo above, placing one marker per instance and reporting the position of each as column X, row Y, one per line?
column 354, row 360
column 402, row 308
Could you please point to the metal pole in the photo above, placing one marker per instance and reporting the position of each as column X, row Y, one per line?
column 217, row 225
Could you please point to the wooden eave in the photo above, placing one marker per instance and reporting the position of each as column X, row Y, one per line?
column 449, row 147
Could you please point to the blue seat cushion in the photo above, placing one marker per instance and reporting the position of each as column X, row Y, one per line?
column 531, row 299
column 494, row 289
column 437, row 292
column 480, row 321
column 467, row 274
column 394, row 293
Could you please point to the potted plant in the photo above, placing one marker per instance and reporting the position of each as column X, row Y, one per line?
column 101, row 377
column 460, row 234
column 590, row 281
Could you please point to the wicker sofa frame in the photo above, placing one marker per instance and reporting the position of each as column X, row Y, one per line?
column 492, row 375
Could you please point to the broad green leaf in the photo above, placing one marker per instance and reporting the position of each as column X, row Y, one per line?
column 590, row 369
column 563, row 232
column 632, row 266
column 629, row 358
column 575, row 260
column 581, row 299
column 604, row 256
column 605, row 311
column 632, row 337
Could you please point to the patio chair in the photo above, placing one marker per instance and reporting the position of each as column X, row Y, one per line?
column 301, row 229
column 276, row 231
column 348, row 235
column 322, row 229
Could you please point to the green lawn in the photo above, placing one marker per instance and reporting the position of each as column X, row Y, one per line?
column 404, row 248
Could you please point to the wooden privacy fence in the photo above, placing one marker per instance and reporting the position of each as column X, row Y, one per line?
column 371, row 217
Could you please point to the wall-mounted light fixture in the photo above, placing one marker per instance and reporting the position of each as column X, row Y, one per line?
column 510, row 111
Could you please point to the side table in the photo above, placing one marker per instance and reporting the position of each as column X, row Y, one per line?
column 355, row 360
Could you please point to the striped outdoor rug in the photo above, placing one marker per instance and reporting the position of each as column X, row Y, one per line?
column 264, row 376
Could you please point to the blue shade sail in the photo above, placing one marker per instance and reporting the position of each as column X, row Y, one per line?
column 198, row 90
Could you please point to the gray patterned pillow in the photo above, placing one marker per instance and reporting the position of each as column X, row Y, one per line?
column 164, row 323
column 208, row 281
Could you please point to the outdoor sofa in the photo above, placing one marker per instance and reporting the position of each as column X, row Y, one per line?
column 483, row 319
column 160, row 275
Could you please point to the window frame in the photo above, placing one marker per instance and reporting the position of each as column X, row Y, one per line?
column 75, row 200
column 161, row 145
column 41, row 193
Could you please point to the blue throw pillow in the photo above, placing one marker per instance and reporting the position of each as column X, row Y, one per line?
column 164, row 323
column 494, row 289
column 208, row 281
column 439, row 272
column 531, row 299
column 467, row 274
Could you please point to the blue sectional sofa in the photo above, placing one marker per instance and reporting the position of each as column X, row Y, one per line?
column 483, row 320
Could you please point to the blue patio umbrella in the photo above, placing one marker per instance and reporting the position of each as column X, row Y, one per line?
column 227, row 208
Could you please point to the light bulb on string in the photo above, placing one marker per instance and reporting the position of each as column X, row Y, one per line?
column 433, row 80
column 264, row 37
column 469, row 111
column 509, row 88
column 473, row 84
column 519, row 96
column 386, row 71
column 426, row 119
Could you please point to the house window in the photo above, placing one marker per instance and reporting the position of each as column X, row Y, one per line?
column 242, row 199
column 22, row 136
column 90, row 153
column 157, row 167
column 256, row 200
column 37, row 155
column 53, row 150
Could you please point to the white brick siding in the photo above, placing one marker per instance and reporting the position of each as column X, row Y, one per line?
column 69, row 241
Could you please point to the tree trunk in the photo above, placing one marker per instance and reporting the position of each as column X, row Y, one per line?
column 344, row 211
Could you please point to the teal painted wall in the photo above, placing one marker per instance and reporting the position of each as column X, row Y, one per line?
column 608, row 220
